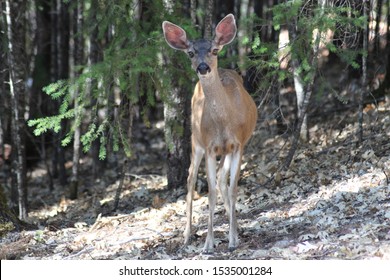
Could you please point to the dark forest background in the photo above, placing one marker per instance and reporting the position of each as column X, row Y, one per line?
column 77, row 78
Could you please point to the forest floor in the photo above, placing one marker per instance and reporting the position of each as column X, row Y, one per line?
column 332, row 203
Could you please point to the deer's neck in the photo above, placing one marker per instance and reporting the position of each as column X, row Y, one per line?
column 212, row 87
column 215, row 95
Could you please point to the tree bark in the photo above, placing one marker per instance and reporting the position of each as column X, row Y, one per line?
column 300, row 90
column 93, row 58
column 15, row 22
column 8, row 221
column 39, row 102
column 59, row 69
column 178, row 136
column 177, row 118
column 364, row 76
column 209, row 19
column 77, row 50
column 63, row 66
column 3, row 97
column 379, row 11
column 193, row 11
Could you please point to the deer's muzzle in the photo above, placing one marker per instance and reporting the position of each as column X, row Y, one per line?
column 203, row 68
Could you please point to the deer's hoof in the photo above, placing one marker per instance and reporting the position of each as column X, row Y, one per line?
column 208, row 251
column 208, row 248
column 231, row 249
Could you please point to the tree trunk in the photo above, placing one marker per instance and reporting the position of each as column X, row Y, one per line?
column 77, row 49
column 177, row 117
column 364, row 76
column 59, row 69
column 15, row 22
column 39, row 102
column 300, row 91
column 209, row 19
column 178, row 136
column 8, row 221
column 3, row 89
column 63, row 73
column 193, row 11
column 93, row 58
column 384, row 53
column 378, row 19
column 304, row 89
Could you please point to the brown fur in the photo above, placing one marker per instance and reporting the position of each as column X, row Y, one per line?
column 223, row 119
column 219, row 127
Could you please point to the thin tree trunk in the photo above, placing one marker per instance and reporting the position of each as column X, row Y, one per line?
column 63, row 66
column 300, row 90
column 41, row 77
column 54, row 75
column 14, row 14
column 301, row 96
column 378, row 19
column 91, row 85
column 59, row 69
column 78, row 50
column 364, row 75
column 3, row 97
column 209, row 19
column 193, row 11
column 243, row 33
column 53, row 78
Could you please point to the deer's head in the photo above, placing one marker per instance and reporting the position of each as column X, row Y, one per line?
column 202, row 52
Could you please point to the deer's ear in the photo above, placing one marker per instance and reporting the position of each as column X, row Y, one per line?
column 175, row 36
column 226, row 30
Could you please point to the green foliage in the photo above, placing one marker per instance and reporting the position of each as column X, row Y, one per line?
column 264, row 59
column 314, row 20
column 138, row 68
column 42, row 125
column 131, row 69
column 311, row 22
column 285, row 12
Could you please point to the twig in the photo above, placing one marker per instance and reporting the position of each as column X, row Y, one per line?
column 94, row 226
column 105, row 220
column 86, row 249
column 129, row 240
column 142, row 176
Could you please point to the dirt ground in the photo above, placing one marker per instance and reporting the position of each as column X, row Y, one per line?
column 332, row 203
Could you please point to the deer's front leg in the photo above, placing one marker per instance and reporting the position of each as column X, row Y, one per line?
column 211, row 166
column 223, row 172
column 196, row 158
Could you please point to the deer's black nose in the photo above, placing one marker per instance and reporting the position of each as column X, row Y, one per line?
column 203, row 68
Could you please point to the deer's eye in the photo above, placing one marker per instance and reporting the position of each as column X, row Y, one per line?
column 215, row 51
column 191, row 54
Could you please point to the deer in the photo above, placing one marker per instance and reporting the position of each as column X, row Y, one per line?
column 223, row 118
